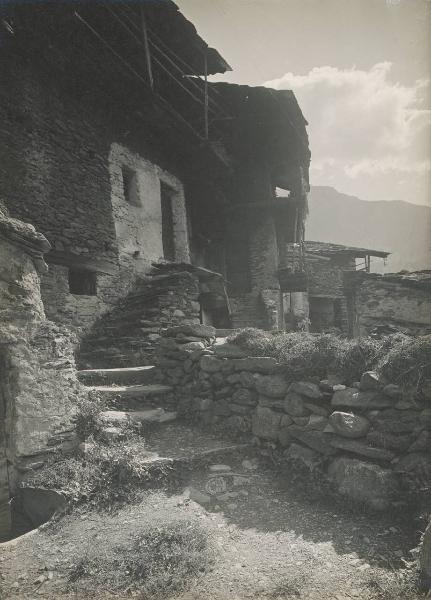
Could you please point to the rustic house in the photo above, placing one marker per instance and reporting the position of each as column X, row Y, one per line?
column 153, row 195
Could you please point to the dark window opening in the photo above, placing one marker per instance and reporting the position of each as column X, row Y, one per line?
column 168, row 239
column 82, row 283
column 130, row 186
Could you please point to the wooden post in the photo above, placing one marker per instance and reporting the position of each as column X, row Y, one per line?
column 147, row 49
column 206, row 96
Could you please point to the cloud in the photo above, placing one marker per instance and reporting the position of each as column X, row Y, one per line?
column 361, row 122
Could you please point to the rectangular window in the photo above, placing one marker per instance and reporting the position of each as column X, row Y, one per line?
column 168, row 240
column 82, row 283
column 130, row 186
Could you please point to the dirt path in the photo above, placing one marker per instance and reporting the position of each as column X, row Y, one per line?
column 269, row 542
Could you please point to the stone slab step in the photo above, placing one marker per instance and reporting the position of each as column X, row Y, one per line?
column 132, row 391
column 123, row 375
column 151, row 415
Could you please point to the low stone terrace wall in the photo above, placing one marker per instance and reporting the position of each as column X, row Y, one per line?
column 371, row 440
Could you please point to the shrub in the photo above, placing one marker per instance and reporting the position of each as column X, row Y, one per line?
column 87, row 420
column 408, row 362
column 306, row 355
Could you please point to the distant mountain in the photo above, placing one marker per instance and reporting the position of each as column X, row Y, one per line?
column 398, row 227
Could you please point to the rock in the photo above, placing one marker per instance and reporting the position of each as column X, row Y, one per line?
column 219, row 468
column 239, row 424
column 240, row 409
column 316, row 440
column 407, row 404
column 363, row 482
column 349, row 425
column 191, row 347
column 362, row 449
column 416, row 464
column 228, row 351
column 197, row 330
column 395, row 421
column 221, row 408
column 251, row 464
column 306, row 389
column 316, row 409
column 284, row 437
column 302, row 457
column 203, row 403
column 247, row 380
column 397, row 443
column 294, row 405
column 210, row 364
column 422, row 443
column 352, row 398
column 393, row 391
column 277, row 403
column 285, row 421
column 301, row 421
column 115, row 417
column 274, row 386
column 244, row 396
column 425, row 418
column 316, row 423
column 369, row 381
column 425, row 557
column 40, row 505
column 256, row 364
column 198, row 496
column 110, row 434
column 266, row 423
column 326, row 385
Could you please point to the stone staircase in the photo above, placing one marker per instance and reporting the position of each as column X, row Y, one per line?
column 131, row 396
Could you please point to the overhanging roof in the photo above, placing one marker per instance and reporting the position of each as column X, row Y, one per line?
column 328, row 249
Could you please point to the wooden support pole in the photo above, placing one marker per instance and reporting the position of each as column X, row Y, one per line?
column 147, row 49
column 206, row 96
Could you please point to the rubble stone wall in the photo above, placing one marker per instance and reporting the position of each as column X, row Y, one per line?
column 370, row 440
column 387, row 303
column 38, row 385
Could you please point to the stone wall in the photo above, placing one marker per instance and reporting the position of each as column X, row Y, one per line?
column 370, row 440
column 38, row 385
column 385, row 304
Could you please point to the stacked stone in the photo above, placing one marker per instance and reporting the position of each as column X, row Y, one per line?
column 367, row 439
column 127, row 336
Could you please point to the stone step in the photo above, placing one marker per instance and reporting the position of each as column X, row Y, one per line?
column 149, row 415
column 132, row 391
column 123, row 375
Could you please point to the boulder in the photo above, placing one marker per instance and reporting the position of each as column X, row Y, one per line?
column 266, row 423
column 302, row 457
column 363, row 449
column 247, row 379
column 416, row 464
column 364, row 483
column 316, row 423
column 396, row 421
column 422, row 443
column 238, row 424
column 240, row 409
column 369, row 381
column 244, row 396
column 306, row 389
column 277, row 403
column 274, row 386
column 425, row 418
column 397, row 443
column 316, row 440
column 301, row 421
column 316, row 409
column 393, row 391
column 294, row 405
column 210, row 364
column 257, row 364
column 349, row 425
column 190, row 347
column 228, row 351
column 196, row 330
column 352, row 398
column 284, row 437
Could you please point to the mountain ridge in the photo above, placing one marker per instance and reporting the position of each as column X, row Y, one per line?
column 396, row 226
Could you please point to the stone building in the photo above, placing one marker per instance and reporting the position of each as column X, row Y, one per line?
column 327, row 302
column 116, row 147
column 154, row 194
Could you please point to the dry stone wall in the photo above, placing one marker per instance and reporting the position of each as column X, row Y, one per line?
column 371, row 441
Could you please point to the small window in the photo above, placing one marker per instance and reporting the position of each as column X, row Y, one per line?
column 130, row 186
column 82, row 283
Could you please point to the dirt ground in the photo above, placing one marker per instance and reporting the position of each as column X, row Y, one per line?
column 270, row 541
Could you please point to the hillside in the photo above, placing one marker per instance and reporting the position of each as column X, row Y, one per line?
column 398, row 227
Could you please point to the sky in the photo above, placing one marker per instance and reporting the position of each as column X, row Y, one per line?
column 360, row 70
